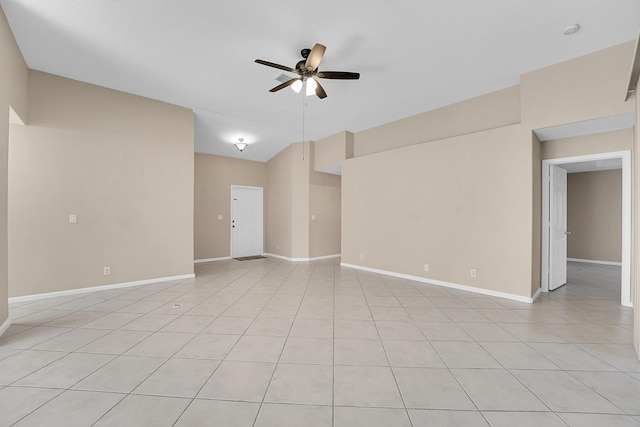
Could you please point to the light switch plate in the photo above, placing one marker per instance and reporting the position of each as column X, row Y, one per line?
column 73, row 219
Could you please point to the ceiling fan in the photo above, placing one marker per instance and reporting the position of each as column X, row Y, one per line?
column 307, row 69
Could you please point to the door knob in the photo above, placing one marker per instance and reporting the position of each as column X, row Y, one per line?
column 567, row 232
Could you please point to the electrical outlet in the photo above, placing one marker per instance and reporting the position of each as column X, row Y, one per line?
column 220, row 217
column 361, row 256
column 426, row 267
column 473, row 272
column 277, row 247
column 107, row 271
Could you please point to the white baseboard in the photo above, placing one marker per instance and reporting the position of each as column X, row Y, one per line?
column 224, row 258
column 5, row 325
column 444, row 284
column 594, row 261
column 536, row 295
column 318, row 258
column 98, row 288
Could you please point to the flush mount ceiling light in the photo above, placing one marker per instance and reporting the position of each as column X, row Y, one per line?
column 241, row 145
column 571, row 29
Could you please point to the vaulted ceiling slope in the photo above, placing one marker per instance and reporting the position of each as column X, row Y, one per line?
column 413, row 55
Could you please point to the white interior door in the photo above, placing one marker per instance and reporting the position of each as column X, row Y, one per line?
column 558, row 228
column 246, row 221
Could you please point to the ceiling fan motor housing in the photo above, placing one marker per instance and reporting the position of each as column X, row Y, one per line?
column 300, row 65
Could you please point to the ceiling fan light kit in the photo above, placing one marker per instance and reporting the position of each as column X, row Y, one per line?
column 297, row 86
column 306, row 70
column 312, row 85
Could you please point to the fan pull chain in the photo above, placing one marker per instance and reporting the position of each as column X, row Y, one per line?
column 303, row 109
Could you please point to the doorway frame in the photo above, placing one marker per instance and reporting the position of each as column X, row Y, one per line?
column 625, row 156
column 231, row 216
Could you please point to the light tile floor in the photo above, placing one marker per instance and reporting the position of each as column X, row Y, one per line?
column 275, row 343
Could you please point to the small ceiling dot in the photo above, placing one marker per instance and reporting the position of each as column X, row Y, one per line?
column 571, row 29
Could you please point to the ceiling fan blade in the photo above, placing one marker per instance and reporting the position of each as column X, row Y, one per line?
column 314, row 58
column 341, row 75
column 320, row 91
column 283, row 85
column 278, row 66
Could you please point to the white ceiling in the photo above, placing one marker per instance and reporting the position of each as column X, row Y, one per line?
column 413, row 55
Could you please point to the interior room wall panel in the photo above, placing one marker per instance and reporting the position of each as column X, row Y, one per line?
column 456, row 204
column 123, row 164
column 594, row 215
column 214, row 176
column 13, row 94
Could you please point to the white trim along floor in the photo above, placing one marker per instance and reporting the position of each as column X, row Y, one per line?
column 270, row 342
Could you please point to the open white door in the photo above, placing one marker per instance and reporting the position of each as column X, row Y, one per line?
column 558, row 228
column 246, row 221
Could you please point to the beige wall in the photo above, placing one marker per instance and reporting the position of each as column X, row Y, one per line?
column 279, row 203
column 496, row 109
column 13, row 72
column 325, row 207
column 300, row 164
column 214, row 176
column 635, row 226
column 536, row 255
column 605, row 142
column 584, row 88
column 123, row 164
column 294, row 193
column 330, row 153
column 594, row 215
column 455, row 204
column 13, row 93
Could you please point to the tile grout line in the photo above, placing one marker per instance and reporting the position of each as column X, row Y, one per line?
column 286, row 338
column 162, row 364
column 230, row 349
column 384, row 349
column 333, row 349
